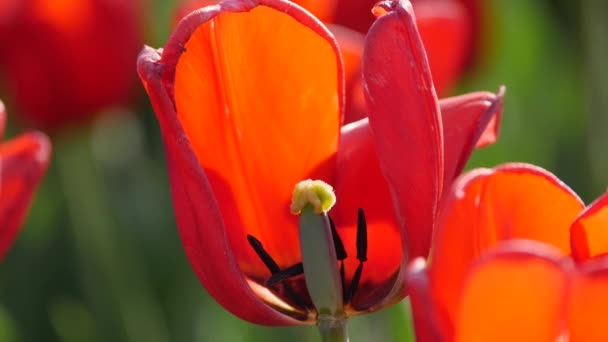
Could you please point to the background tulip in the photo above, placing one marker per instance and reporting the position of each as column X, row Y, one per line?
column 65, row 61
column 23, row 161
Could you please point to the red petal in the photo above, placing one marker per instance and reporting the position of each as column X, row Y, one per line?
column 423, row 308
column 23, row 161
column 355, row 14
column 589, row 232
column 404, row 116
column 485, row 207
column 359, row 184
column 517, row 293
column 588, row 301
column 199, row 220
column 2, row 118
column 466, row 119
column 445, row 28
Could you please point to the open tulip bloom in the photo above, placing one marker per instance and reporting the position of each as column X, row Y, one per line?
column 249, row 97
column 23, row 161
column 517, row 257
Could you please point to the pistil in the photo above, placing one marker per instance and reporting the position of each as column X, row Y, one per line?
column 311, row 200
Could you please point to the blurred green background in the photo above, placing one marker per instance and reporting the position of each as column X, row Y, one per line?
column 99, row 258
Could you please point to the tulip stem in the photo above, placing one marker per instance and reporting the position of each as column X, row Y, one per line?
column 333, row 329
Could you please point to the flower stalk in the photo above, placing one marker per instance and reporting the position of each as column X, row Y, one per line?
column 333, row 329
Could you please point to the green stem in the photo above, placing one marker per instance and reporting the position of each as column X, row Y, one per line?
column 333, row 329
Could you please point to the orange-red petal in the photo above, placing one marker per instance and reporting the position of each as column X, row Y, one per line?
column 248, row 95
column 258, row 94
column 467, row 119
column 588, row 302
column 516, row 293
column 404, row 117
column 589, row 232
column 324, row 10
column 23, row 161
column 485, row 207
column 199, row 220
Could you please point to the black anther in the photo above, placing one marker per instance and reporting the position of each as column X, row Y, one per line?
column 274, row 268
column 361, row 236
column 263, row 255
column 287, row 273
column 338, row 245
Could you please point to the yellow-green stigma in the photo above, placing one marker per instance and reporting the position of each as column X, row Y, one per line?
column 316, row 193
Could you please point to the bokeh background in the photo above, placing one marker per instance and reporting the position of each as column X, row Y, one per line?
column 99, row 258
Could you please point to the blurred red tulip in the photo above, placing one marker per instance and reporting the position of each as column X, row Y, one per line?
column 501, row 259
column 249, row 96
column 23, row 161
column 65, row 60
column 449, row 30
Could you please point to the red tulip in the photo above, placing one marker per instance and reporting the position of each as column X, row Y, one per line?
column 249, row 97
column 501, row 268
column 66, row 60
column 23, row 161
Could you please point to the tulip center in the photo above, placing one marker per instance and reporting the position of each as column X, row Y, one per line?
column 322, row 251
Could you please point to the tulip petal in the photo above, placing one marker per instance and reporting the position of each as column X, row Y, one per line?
column 485, row 207
column 423, row 308
column 354, row 14
column 23, row 161
column 360, row 185
column 351, row 45
column 404, row 116
column 589, row 232
column 588, row 301
column 467, row 119
column 258, row 90
column 2, row 118
column 199, row 220
column 516, row 293
column 324, row 10
column 445, row 29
